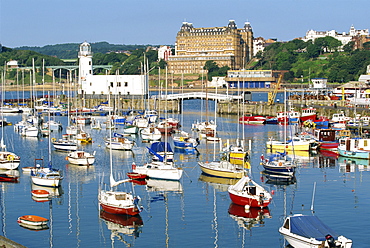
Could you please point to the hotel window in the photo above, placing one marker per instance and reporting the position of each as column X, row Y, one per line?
column 118, row 84
column 90, row 72
column 111, row 84
column 89, row 62
column 90, row 84
column 126, row 84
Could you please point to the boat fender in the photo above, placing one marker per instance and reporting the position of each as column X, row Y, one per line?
column 133, row 166
column 66, row 158
column 280, row 164
column 272, row 192
column 10, row 157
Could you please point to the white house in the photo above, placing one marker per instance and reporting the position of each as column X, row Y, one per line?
column 345, row 38
column 164, row 52
column 93, row 86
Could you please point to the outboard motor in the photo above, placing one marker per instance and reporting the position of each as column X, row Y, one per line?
column 331, row 241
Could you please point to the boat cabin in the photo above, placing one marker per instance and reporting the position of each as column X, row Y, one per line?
column 325, row 134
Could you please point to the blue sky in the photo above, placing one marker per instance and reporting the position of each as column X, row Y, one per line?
column 47, row 22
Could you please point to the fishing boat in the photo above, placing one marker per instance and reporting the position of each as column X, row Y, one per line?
column 271, row 120
column 354, row 148
column 306, row 231
column 247, row 192
column 308, row 114
column 327, row 139
column 277, row 163
column 288, row 117
column 81, row 158
column 32, row 220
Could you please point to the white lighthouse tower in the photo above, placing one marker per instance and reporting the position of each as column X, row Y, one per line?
column 85, row 64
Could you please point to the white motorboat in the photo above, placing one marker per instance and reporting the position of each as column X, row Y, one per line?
column 81, row 158
column 159, row 170
column 306, row 231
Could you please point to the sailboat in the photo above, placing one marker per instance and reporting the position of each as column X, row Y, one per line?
column 118, row 202
column 8, row 160
column 247, row 192
column 47, row 176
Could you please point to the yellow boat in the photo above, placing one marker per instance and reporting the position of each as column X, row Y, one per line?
column 295, row 144
column 221, row 169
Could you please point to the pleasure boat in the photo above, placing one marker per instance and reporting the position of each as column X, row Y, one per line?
column 305, row 231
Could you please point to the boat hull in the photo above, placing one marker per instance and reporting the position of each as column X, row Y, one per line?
column 354, row 154
column 219, row 169
column 158, row 173
column 247, row 200
column 47, row 182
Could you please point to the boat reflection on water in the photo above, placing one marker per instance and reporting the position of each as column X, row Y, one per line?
column 53, row 192
column 248, row 218
column 34, row 227
column 153, row 185
column 347, row 165
column 122, row 224
column 278, row 179
column 219, row 183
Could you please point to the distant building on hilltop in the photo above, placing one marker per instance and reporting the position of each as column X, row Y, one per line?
column 94, row 86
column 345, row 38
column 164, row 52
column 259, row 44
column 227, row 46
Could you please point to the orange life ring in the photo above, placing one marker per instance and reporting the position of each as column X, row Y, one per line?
column 280, row 164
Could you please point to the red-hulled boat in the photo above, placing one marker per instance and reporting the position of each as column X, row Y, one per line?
column 136, row 176
column 248, row 192
column 257, row 119
column 308, row 114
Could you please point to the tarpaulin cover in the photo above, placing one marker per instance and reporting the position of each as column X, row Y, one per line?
column 161, row 147
column 310, row 227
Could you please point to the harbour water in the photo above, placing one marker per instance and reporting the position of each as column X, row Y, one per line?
column 194, row 212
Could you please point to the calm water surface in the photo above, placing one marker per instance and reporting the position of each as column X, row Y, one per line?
column 196, row 211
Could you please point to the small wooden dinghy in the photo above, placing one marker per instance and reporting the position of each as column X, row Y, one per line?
column 32, row 220
column 40, row 193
